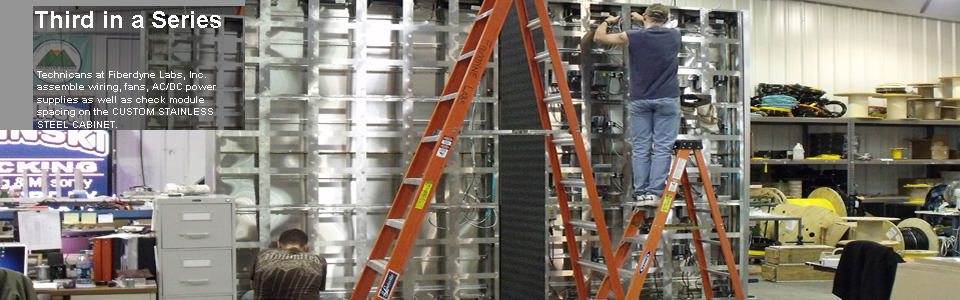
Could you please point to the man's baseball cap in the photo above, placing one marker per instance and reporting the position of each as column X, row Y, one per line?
column 657, row 12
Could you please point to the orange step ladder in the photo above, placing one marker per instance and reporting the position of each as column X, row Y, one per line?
column 678, row 178
column 413, row 200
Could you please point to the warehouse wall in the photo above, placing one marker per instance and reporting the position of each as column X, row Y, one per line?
column 176, row 156
column 841, row 49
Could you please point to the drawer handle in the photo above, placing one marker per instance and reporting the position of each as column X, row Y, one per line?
column 195, row 281
column 195, row 235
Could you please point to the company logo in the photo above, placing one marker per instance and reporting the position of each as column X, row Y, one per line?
column 96, row 142
column 389, row 282
column 644, row 263
column 57, row 56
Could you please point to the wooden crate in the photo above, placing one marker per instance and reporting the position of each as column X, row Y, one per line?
column 793, row 254
column 793, row 272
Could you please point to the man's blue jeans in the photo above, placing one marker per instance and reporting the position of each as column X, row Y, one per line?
column 654, row 124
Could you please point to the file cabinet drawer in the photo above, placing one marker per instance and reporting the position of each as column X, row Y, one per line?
column 197, row 226
column 189, row 273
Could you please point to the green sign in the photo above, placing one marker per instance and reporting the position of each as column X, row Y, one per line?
column 65, row 55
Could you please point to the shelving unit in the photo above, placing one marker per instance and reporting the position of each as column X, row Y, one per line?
column 896, row 131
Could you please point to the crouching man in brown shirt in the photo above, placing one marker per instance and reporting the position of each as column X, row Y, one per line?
column 289, row 272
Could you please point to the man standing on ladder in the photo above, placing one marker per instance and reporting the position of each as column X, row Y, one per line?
column 654, row 97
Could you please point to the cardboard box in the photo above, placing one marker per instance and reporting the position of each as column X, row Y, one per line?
column 794, row 254
column 931, row 278
column 837, row 232
column 920, row 149
column 936, row 148
column 793, row 272
column 941, row 140
column 940, row 152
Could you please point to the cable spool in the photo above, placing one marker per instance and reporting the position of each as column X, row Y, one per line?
column 814, row 219
column 814, row 202
column 914, row 239
column 831, row 195
column 919, row 239
column 795, row 188
column 775, row 195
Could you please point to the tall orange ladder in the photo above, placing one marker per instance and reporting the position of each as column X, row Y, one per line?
column 413, row 200
column 678, row 178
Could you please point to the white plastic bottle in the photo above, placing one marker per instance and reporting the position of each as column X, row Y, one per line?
column 798, row 152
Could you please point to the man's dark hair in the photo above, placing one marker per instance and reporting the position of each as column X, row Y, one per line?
column 293, row 237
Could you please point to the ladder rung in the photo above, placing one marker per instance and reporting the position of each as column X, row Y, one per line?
column 467, row 55
column 534, row 24
column 634, row 240
column 685, row 226
column 485, row 14
column 412, row 181
column 431, row 139
column 542, row 56
column 574, row 182
column 379, row 265
column 703, row 210
column 718, row 273
column 593, row 266
column 583, row 224
column 395, row 223
column 549, row 99
column 448, row 97
column 563, row 140
column 710, row 241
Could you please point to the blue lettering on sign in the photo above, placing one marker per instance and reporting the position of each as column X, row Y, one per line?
column 644, row 263
column 60, row 152
column 389, row 282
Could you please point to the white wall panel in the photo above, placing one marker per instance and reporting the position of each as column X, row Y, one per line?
column 842, row 49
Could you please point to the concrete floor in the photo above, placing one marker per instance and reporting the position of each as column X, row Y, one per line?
column 810, row 290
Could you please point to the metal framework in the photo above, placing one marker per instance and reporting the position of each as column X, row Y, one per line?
column 331, row 110
column 333, row 101
column 217, row 54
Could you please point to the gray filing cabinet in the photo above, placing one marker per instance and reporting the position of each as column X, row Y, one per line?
column 196, row 257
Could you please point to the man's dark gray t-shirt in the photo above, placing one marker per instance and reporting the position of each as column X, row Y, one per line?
column 288, row 275
column 653, row 63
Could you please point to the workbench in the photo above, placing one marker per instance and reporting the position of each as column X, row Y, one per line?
column 97, row 291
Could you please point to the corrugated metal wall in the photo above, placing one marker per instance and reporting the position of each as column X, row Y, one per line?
column 840, row 49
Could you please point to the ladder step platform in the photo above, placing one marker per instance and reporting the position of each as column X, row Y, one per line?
column 379, row 265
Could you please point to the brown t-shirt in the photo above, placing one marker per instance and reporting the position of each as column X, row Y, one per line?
column 288, row 275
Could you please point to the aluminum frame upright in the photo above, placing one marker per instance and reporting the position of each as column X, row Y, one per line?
column 188, row 51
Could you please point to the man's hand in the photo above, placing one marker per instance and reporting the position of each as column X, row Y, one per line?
column 636, row 16
column 612, row 19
